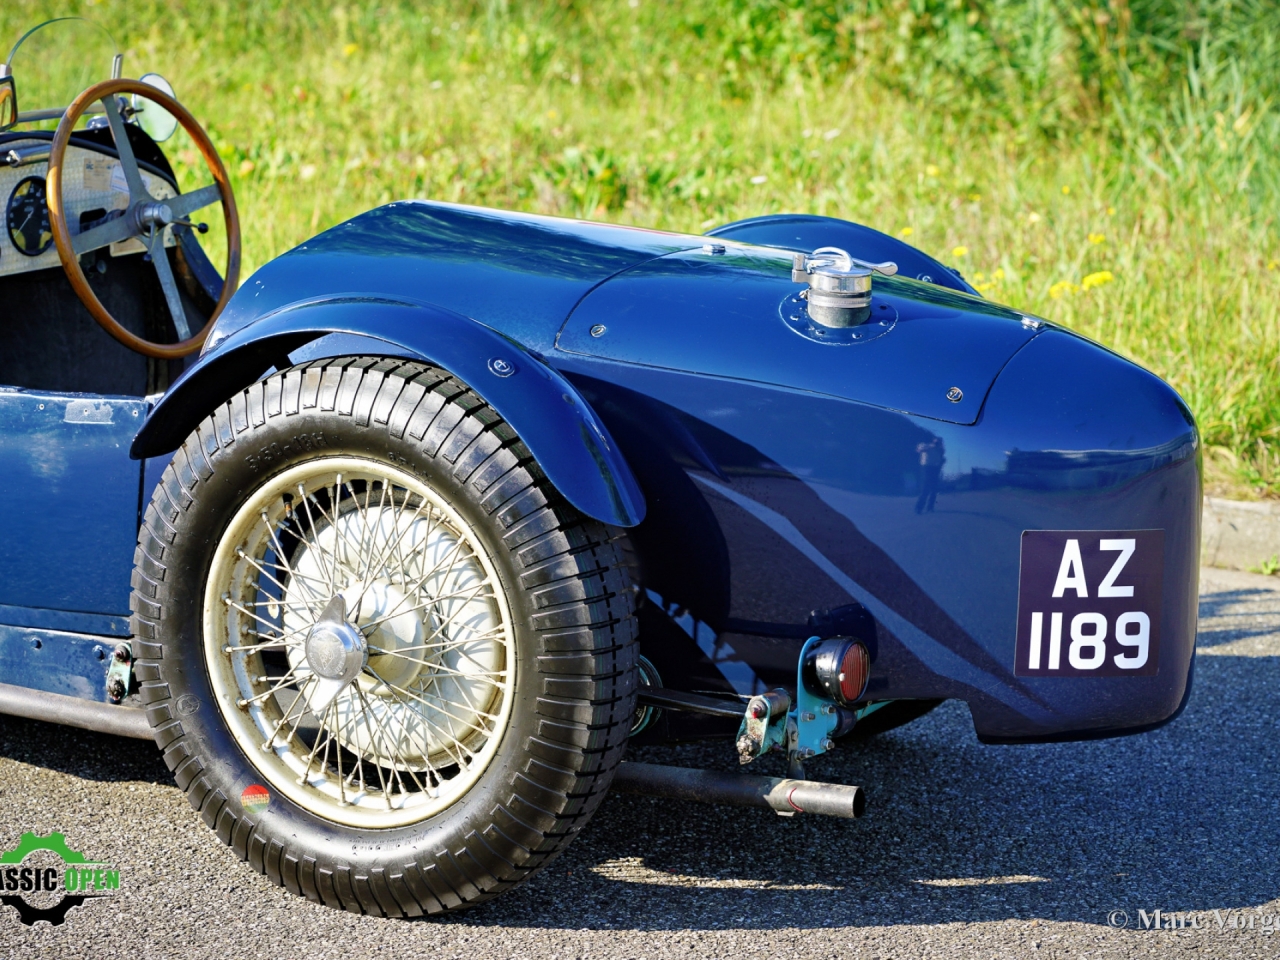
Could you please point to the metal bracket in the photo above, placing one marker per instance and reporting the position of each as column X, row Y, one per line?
column 764, row 725
column 120, row 673
column 803, row 731
column 815, row 719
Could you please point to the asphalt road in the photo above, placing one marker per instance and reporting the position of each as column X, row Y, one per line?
column 966, row 851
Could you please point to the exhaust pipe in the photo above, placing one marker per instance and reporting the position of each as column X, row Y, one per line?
column 787, row 797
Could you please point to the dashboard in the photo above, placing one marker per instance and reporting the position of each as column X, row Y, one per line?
column 93, row 187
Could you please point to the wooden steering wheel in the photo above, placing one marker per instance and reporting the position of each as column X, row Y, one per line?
column 145, row 218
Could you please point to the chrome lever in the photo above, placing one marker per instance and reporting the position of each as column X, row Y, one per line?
column 838, row 261
column 22, row 156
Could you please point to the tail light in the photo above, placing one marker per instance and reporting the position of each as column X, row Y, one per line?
column 837, row 669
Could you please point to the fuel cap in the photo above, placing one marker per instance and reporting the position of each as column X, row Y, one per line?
column 839, row 293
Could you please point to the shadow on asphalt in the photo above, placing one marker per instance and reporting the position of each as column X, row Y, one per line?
column 80, row 753
column 1181, row 819
column 1219, row 606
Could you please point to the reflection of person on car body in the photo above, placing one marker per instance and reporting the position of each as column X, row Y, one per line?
column 932, row 456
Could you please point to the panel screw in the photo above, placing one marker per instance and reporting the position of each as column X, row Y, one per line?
column 828, row 744
column 955, row 394
column 501, row 367
column 100, row 653
column 598, row 330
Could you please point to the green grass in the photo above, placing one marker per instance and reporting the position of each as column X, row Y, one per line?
column 1111, row 168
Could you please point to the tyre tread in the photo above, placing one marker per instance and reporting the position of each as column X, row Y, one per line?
column 574, row 569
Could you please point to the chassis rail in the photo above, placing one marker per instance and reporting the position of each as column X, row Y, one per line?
column 74, row 712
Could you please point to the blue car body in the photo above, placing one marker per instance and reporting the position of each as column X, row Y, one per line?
column 774, row 486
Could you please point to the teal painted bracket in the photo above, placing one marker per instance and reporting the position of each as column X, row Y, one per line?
column 813, row 719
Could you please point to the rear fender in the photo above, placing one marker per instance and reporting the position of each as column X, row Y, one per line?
column 569, row 441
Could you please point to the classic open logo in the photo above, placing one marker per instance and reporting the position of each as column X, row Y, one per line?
column 42, row 878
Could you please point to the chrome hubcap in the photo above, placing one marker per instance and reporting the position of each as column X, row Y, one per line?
column 336, row 649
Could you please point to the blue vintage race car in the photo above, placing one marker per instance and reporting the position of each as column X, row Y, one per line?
column 396, row 549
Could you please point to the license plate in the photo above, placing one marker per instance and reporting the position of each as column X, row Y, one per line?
column 1089, row 603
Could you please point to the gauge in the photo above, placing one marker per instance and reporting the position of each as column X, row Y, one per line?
column 27, row 217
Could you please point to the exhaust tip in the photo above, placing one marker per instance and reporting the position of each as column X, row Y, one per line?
column 859, row 802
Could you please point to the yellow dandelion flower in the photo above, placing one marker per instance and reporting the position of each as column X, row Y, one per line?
column 1111, row 211
column 960, row 251
column 1096, row 238
column 931, row 170
column 905, row 232
column 975, row 197
column 1096, row 279
column 1061, row 288
column 1065, row 190
column 979, row 276
column 349, row 49
column 1274, row 265
column 999, row 274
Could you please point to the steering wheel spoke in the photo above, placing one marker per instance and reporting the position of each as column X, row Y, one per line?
column 132, row 175
column 110, row 231
column 185, row 204
column 160, row 260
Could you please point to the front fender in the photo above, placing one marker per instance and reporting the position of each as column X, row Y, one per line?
column 569, row 441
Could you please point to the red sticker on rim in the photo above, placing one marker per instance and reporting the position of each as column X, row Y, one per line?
column 255, row 798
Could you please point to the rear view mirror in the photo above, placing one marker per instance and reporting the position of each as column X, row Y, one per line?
column 8, row 103
column 157, row 122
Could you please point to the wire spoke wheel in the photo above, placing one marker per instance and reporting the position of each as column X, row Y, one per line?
column 423, row 716
column 390, row 665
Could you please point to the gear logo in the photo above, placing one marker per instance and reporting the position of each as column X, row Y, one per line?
column 43, row 879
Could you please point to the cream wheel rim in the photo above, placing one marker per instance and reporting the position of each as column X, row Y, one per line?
column 421, row 710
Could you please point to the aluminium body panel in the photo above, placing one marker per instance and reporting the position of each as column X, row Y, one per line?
column 767, row 505
column 71, row 513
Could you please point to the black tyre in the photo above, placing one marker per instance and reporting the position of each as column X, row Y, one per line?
column 390, row 666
